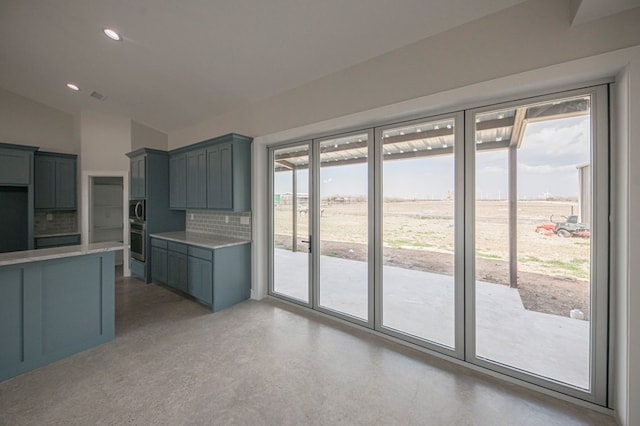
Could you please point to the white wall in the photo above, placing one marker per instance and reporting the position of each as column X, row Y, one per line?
column 146, row 137
column 27, row 122
column 104, row 141
column 531, row 35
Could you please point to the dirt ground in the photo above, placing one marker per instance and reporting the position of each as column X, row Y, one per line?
column 553, row 272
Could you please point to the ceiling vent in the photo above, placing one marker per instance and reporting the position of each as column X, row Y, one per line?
column 98, row 96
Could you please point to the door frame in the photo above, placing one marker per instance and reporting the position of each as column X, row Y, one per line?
column 85, row 209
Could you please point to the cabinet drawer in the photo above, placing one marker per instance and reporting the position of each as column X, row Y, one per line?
column 156, row 242
column 177, row 247
column 201, row 253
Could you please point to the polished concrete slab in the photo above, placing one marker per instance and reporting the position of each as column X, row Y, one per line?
column 421, row 304
column 262, row 363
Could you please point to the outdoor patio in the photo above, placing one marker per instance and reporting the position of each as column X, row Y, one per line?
column 421, row 304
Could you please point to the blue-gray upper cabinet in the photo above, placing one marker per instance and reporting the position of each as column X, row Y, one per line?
column 229, row 175
column 197, row 179
column 137, row 181
column 55, row 181
column 16, row 164
column 214, row 174
column 178, row 181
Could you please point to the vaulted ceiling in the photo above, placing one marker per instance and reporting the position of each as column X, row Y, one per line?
column 181, row 62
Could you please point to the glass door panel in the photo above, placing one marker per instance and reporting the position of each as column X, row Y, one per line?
column 291, row 234
column 344, row 225
column 533, row 245
column 418, row 230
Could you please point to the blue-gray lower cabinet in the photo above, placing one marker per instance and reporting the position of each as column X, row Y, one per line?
column 200, row 274
column 218, row 278
column 51, row 309
column 177, row 266
column 159, row 265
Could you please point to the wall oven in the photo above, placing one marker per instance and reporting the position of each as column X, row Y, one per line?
column 137, row 239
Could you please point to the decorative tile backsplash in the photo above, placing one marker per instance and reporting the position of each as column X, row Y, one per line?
column 61, row 222
column 219, row 223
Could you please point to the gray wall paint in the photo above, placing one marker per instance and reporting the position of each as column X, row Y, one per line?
column 27, row 122
column 528, row 36
column 146, row 137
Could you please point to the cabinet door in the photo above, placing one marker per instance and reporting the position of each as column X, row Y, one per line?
column 137, row 177
column 65, row 183
column 178, row 182
column 177, row 270
column 159, row 265
column 225, row 199
column 200, row 279
column 213, row 177
column 220, row 177
column 45, row 183
column 15, row 167
column 197, row 179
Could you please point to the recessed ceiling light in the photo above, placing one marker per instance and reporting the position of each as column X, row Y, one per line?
column 112, row 34
column 73, row 87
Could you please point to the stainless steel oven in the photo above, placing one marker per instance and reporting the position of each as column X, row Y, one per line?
column 137, row 240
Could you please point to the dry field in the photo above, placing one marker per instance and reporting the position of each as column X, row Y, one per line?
column 553, row 272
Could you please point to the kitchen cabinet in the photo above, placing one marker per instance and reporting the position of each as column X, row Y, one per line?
column 16, row 164
column 137, row 177
column 197, row 179
column 57, row 241
column 200, row 273
column 216, row 277
column 178, row 181
column 149, row 174
column 214, row 174
column 158, row 260
column 55, row 185
column 177, row 266
column 220, row 177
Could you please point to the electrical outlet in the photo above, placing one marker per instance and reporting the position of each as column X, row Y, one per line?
column 191, row 216
column 244, row 220
column 49, row 217
column 226, row 219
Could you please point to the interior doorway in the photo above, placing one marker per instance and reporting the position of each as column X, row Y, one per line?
column 106, row 212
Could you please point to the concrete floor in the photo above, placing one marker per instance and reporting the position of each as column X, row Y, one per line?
column 422, row 304
column 261, row 363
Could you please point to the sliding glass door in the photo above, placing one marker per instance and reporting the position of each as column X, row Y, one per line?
column 290, row 224
column 480, row 234
column 538, row 288
column 419, row 282
column 343, row 211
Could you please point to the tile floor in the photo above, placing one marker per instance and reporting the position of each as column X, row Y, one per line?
column 261, row 363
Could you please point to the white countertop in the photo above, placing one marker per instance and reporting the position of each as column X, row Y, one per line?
column 200, row 240
column 27, row 256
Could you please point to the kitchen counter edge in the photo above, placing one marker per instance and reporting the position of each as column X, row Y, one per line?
column 27, row 256
column 200, row 240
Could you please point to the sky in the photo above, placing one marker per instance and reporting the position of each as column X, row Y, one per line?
column 547, row 162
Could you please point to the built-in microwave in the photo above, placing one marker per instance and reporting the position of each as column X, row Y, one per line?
column 137, row 210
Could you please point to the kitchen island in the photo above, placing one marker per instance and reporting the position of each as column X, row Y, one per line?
column 214, row 270
column 54, row 303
